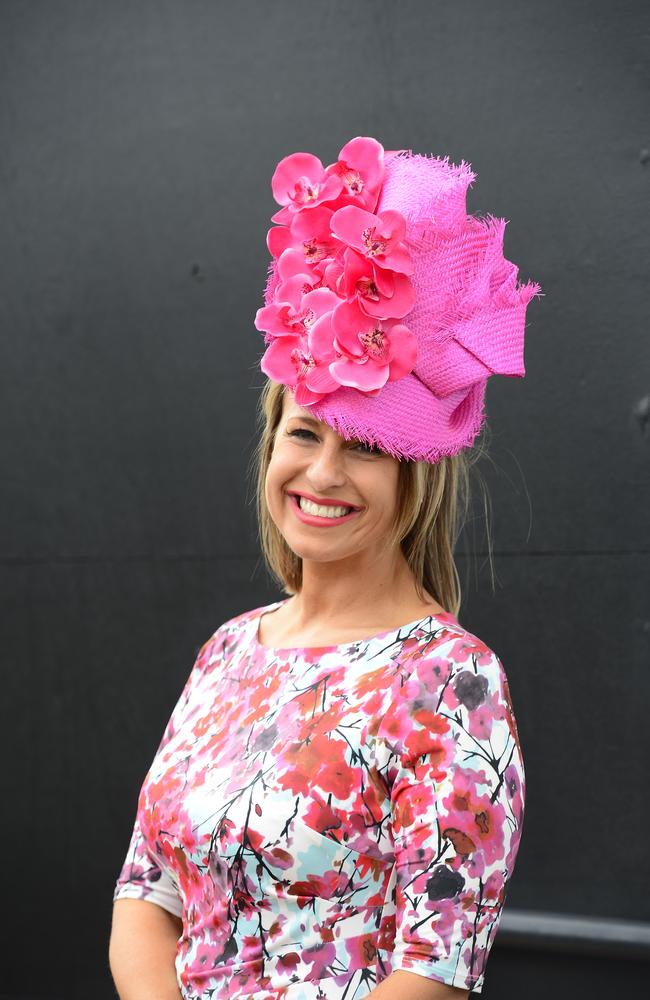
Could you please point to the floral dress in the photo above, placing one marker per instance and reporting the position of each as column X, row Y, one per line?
column 320, row 817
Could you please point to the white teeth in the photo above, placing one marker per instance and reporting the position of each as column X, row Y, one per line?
column 314, row 508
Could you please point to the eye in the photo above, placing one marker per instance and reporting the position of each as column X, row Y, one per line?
column 368, row 449
column 300, row 431
column 362, row 446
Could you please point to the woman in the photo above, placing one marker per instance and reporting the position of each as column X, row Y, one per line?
column 337, row 801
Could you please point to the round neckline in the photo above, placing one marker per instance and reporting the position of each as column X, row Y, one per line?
column 443, row 616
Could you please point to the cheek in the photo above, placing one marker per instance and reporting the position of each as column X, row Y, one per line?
column 270, row 488
column 387, row 499
column 277, row 475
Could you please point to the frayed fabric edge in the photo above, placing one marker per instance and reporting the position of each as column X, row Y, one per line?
column 398, row 446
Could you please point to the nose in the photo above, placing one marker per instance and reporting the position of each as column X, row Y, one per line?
column 326, row 468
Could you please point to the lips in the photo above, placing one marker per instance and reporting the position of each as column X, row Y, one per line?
column 322, row 502
column 319, row 520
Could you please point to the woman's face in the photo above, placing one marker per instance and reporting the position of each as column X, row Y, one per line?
column 309, row 457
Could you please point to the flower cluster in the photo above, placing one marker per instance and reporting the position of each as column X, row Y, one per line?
column 340, row 281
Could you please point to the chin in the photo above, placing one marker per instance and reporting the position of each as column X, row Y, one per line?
column 323, row 551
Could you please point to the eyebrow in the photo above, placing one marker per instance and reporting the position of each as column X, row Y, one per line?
column 317, row 424
column 307, row 420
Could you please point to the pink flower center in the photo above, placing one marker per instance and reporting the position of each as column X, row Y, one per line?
column 314, row 251
column 293, row 320
column 308, row 317
column 375, row 344
column 374, row 245
column 367, row 289
column 302, row 362
column 352, row 180
column 305, row 191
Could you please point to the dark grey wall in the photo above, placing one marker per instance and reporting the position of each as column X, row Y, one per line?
column 137, row 143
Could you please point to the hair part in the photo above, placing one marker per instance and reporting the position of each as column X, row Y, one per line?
column 432, row 508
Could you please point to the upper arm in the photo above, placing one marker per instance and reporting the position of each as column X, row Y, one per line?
column 142, row 875
column 128, row 911
column 403, row 985
column 456, row 802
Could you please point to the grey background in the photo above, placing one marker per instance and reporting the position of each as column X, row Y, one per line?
column 137, row 143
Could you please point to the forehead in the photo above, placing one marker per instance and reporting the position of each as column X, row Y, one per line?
column 292, row 409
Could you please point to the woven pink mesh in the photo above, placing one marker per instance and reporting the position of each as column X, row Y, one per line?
column 469, row 318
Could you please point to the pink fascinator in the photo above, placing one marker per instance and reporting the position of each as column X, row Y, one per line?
column 387, row 306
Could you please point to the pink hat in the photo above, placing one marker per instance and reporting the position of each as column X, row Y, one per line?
column 387, row 306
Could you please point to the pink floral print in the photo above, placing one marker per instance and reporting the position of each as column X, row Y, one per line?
column 320, row 817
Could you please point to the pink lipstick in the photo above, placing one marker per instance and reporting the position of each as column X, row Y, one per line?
column 314, row 519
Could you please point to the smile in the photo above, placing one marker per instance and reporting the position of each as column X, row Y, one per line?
column 320, row 515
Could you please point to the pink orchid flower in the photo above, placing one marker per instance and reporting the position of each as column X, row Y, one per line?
column 373, row 351
column 360, row 168
column 300, row 181
column 295, row 316
column 295, row 277
column 309, row 232
column 291, row 357
column 378, row 292
column 293, row 361
column 377, row 237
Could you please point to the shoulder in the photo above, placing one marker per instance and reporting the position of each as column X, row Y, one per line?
column 453, row 671
column 443, row 637
column 463, row 661
column 233, row 628
column 237, row 622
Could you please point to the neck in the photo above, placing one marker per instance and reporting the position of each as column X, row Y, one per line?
column 362, row 590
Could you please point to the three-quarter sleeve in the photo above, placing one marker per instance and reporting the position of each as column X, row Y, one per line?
column 457, row 805
column 142, row 875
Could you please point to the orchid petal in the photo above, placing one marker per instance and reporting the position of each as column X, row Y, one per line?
column 279, row 319
column 385, row 280
column 355, row 268
column 365, row 154
column 393, row 224
column 321, row 339
column 396, row 305
column 290, row 262
column 348, row 224
column 348, row 322
column 304, row 396
column 403, row 350
column 293, row 169
column 360, row 376
column 276, row 361
column 320, row 380
column 398, row 259
column 278, row 239
column 320, row 300
column 293, row 289
column 283, row 216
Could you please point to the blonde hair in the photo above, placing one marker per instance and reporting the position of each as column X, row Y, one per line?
column 433, row 502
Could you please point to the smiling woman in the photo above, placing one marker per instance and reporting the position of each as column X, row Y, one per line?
column 402, row 532
column 336, row 804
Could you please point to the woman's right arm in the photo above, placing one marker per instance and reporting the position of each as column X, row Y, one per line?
column 142, row 950
column 147, row 903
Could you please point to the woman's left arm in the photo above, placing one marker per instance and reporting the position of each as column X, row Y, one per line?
column 456, row 805
column 402, row 985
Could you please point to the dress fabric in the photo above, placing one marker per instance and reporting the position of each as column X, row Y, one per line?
column 320, row 817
